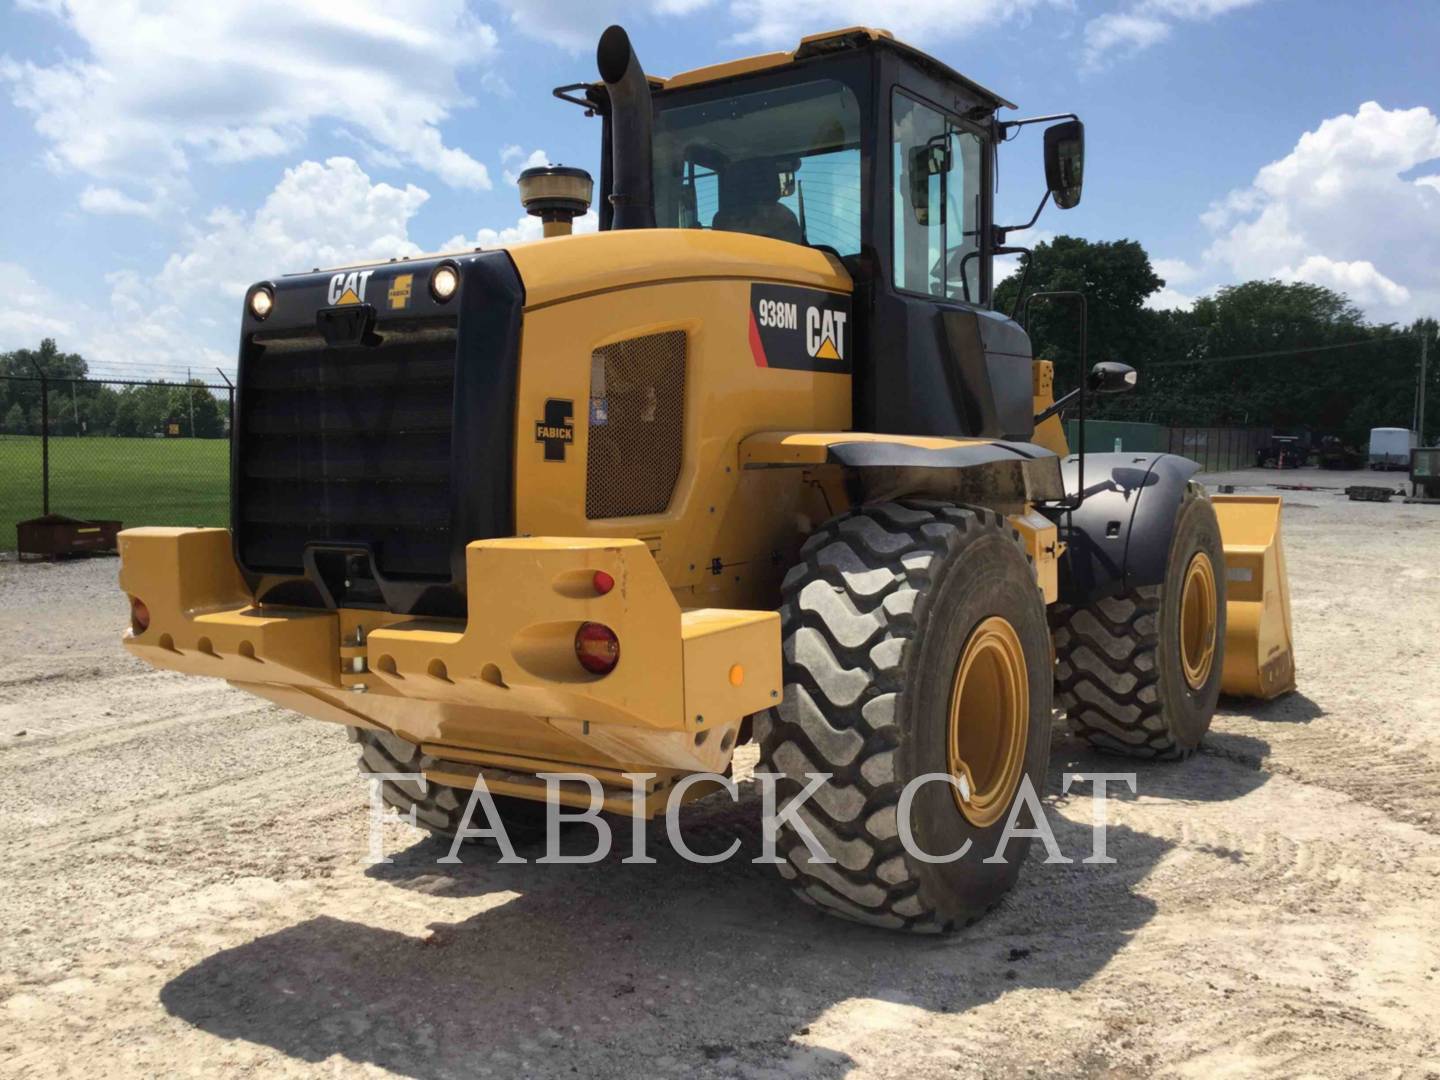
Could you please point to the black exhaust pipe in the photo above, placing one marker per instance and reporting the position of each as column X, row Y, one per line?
column 632, row 193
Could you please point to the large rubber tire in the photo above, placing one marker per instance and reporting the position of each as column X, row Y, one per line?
column 1119, row 674
column 438, row 808
column 873, row 622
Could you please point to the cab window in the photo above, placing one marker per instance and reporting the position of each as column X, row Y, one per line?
column 936, row 165
column 781, row 162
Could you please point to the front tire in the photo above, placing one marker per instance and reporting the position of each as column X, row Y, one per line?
column 915, row 643
column 1139, row 673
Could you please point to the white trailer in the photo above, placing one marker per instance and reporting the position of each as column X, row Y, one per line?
column 1390, row 447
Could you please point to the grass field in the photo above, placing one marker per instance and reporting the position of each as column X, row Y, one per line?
column 137, row 481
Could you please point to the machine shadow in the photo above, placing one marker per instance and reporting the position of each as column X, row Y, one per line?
column 1292, row 708
column 668, row 966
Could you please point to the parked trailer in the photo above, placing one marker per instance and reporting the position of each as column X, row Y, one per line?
column 1390, row 447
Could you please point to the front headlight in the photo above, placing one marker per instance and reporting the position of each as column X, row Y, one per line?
column 262, row 300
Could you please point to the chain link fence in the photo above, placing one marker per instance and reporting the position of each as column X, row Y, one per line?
column 143, row 453
column 158, row 453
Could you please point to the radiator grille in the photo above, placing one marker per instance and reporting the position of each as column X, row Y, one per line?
column 637, row 425
column 347, row 444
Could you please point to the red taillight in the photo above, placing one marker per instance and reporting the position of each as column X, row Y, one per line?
column 139, row 615
column 603, row 582
column 597, row 648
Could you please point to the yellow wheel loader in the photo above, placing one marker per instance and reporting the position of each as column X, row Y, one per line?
column 756, row 461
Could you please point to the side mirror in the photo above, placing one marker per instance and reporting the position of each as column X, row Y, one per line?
column 1065, row 162
column 1108, row 377
column 931, row 159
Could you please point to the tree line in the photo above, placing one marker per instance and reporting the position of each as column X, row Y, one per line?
column 1286, row 355
column 79, row 407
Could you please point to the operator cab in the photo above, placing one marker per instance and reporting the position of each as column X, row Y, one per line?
column 864, row 147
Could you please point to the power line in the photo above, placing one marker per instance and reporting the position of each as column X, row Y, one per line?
column 1277, row 352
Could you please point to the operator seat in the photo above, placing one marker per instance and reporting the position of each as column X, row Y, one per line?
column 750, row 203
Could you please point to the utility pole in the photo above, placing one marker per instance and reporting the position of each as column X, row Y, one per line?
column 1420, row 407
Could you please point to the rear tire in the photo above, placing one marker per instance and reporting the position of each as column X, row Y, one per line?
column 1121, row 671
column 439, row 808
column 875, row 623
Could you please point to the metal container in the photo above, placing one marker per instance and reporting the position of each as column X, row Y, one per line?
column 55, row 535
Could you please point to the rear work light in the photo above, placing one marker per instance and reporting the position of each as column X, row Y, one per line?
column 139, row 615
column 597, row 648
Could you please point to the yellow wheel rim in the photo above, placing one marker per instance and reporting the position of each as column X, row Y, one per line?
column 1198, row 618
column 989, row 721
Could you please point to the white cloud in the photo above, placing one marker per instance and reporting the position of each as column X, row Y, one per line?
column 318, row 215
column 167, row 82
column 919, row 22
column 1337, row 211
column 576, row 25
column 1168, row 299
column 1174, row 271
column 1126, row 30
column 187, row 312
column 527, row 227
column 1357, row 279
column 30, row 312
column 517, row 161
column 1143, row 23
column 107, row 200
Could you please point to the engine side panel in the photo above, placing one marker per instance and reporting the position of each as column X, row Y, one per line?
column 727, row 534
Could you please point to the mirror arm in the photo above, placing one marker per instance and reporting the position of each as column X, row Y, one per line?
column 1001, row 230
column 1007, row 126
column 1057, row 406
column 1071, row 502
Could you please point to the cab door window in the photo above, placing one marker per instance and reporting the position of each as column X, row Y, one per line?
column 936, row 165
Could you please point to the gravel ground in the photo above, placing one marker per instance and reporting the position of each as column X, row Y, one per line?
column 185, row 891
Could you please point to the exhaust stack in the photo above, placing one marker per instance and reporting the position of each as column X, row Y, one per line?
column 632, row 190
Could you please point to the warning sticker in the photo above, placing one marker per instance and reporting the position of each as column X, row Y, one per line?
column 800, row 329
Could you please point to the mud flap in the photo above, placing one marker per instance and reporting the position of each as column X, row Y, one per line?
column 1259, row 645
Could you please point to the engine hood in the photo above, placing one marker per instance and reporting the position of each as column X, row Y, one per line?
column 567, row 267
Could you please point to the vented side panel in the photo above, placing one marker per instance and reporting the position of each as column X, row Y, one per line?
column 637, row 425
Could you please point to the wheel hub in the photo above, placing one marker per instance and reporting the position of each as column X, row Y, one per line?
column 1199, row 611
column 989, row 721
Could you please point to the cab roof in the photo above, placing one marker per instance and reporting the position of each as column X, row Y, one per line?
column 827, row 41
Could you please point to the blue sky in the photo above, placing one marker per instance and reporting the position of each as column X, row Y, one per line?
column 160, row 156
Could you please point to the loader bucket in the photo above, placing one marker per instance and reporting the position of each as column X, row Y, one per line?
column 1259, row 647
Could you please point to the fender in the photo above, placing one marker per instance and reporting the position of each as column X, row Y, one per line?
column 891, row 466
column 1119, row 538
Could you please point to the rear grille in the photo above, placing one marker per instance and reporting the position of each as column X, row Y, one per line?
column 637, row 425
column 349, row 444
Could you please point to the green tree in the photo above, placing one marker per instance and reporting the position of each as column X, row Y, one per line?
column 24, row 387
column 97, row 404
column 144, row 410
column 1289, row 390
column 194, row 401
column 1116, row 278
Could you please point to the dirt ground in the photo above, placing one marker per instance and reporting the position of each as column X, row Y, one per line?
column 184, row 888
